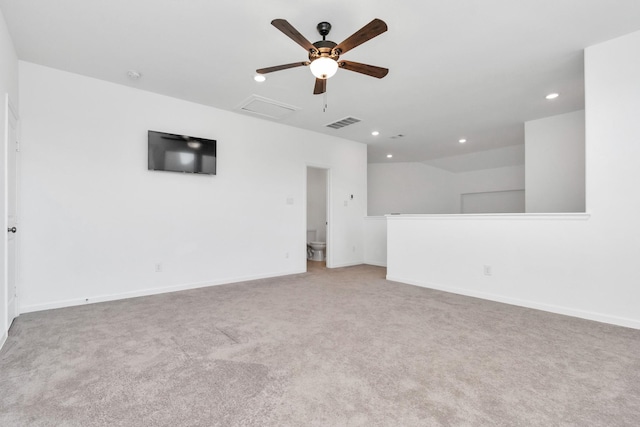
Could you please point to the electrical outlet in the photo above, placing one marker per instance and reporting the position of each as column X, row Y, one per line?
column 286, row 254
column 159, row 267
column 487, row 270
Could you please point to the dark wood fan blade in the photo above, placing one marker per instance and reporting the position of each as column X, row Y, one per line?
column 288, row 30
column 320, row 87
column 281, row 67
column 366, row 33
column 369, row 70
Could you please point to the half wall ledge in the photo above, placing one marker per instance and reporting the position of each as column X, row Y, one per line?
column 577, row 216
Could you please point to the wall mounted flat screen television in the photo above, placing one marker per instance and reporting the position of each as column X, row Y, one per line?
column 181, row 153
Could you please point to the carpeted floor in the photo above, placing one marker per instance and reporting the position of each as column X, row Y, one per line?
column 339, row 347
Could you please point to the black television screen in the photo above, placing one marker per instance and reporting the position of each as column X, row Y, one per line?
column 181, row 153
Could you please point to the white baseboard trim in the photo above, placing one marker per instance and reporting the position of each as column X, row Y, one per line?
column 567, row 311
column 376, row 263
column 147, row 292
column 346, row 264
column 4, row 338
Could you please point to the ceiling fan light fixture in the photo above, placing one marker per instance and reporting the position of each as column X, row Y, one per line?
column 323, row 67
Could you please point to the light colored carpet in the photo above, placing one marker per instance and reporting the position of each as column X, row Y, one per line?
column 339, row 347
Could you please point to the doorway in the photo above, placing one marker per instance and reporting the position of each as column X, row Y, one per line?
column 318, row 227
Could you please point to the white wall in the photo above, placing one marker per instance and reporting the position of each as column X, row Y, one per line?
column 8, row 85
column 96, row 221
column 317, row 202
column 583, row 265
column 495, row 179
column 375, row 240
column 488, row 181
column 509, row 201
column 555, row 163
column 512, row 155
column 420, row 188
column 409, row 188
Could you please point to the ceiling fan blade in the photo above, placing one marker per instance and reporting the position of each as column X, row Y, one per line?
column 370, row 70
column 281, row 67
column 366, row 33
column 320, row 87
column 288, row 30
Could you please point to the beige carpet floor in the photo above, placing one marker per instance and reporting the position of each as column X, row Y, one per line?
column 339, row 347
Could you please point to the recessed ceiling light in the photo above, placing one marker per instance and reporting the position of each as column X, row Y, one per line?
column 389, row 156
column 462, row 141
column 259, row 78
column 133, row 74
column 552, row 96
column 375, row 133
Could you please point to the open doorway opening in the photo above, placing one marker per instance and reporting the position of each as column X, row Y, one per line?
column 317, row 217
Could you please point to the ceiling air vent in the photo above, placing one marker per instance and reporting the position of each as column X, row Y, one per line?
column 266, row 107
column 344, row 122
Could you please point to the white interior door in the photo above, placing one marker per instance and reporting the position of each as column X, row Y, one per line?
column 12, row 217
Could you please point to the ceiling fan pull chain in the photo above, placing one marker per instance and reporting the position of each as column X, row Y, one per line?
column 324, row 110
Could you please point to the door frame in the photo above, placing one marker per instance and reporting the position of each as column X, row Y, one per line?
column 11, row 116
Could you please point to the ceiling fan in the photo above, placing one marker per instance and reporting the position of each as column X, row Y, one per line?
column 324, row 55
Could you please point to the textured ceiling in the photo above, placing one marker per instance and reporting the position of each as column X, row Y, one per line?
column 458, row 68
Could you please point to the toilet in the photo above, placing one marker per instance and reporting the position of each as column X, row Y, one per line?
column 315, row 249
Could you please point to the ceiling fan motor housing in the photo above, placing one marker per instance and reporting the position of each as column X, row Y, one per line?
column 324, row 49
